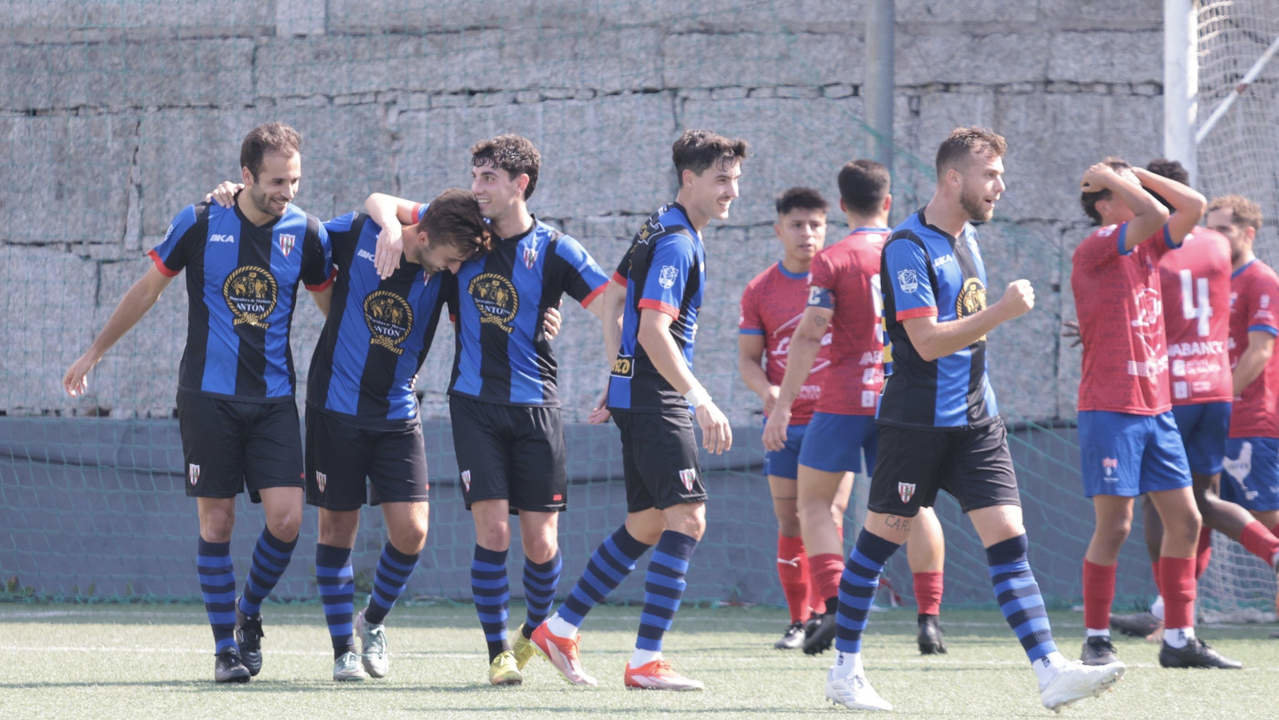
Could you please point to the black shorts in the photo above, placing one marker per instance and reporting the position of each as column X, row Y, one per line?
column 509, row 452
column 340, row 454
column 230, row 445
column 973, row 465
column 659, row 459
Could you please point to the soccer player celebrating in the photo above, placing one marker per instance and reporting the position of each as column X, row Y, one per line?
column 939, row 427
column 1253, row 448
column 845, row 311
column 650, row 391
column 1129, row 443
column 507, row 432
column 236, row 412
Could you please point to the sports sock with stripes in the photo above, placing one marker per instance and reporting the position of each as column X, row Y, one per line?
column 492, row 595
column 540, row 581
column 612, row 561
column 857, row 588
column 663, row 588
column 217, row 586
column 1018, row 596
column 389, row 581
column 270, row 559
column 336, row 582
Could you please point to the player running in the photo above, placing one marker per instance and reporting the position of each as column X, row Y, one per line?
column 1129, row 443
column 236, row 411
column 939, row 426
column 650, row 393
column 845, row 310
column 507, row 430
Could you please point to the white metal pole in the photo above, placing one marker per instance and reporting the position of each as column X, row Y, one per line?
column 1181, row 83
column 879, row 79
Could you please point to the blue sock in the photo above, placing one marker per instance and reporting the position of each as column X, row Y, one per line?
column 270, row 559
column 336, row 582
column 1018, row 596
column 217, row 586
column 663, row 588
column 540, row 581
column 857, row 588
column 392, row 576
column 492, row 595
column 612, row 561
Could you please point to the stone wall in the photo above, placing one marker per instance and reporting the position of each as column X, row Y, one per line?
column 117, row 114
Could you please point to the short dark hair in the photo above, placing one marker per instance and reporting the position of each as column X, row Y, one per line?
column 453, row 218
column 270, row 137
column 1088, row 200
column 697, row 150
column 1243, row 212
column 1170, row 169
column 513, row 153
column 863, row 185
column 965, row 141
column 800, row 198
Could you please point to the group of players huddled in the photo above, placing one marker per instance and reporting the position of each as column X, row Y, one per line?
column 821, row 320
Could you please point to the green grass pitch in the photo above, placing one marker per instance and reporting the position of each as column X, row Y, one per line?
column 144, row 662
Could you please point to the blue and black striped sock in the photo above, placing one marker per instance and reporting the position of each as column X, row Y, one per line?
column 1018, row 596
column 663, row 588
column 392, row 576
column 217, row 586
column 857, row 587
column 492, row 595
column 540, row 581
column 612, row 561
column 336, row 582
column 270, row 559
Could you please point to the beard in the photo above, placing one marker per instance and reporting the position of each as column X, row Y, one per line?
column 976, row 209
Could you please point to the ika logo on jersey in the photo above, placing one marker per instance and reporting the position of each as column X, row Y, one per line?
column 688, row 476
column 530, row 257
column 287, row 241
column 908, row 280
column 905, row 491
column 193, row 473
column 666, row 277
column 219, row 238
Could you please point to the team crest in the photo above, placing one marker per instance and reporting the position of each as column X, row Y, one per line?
column 905, row 491
column 530, row 257
column 1109, row 466
column 287, row 242
column 466, row 480
column 495, row 297
column 250, row 292
column 389, row 319
column 688, row 476
column 321, row 480
column 908, row 280
column 193, row 473
column 666, row 277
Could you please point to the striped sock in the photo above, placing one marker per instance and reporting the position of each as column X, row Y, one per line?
column 612, row 561
column 492, row 595
column 393, row 571
column 540, row 581
column 663, row 587
column 857, row 588
column 217, row 585
column 1018, row 596
column 270, row 559
column 336, row 582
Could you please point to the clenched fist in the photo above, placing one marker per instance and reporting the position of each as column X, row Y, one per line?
column 1018, row 299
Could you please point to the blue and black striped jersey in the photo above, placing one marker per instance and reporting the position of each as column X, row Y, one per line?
column 242, row 282
column 924, row 272
column 664, row 270
column 378, row 331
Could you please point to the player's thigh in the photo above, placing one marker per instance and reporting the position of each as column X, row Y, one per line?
column 664, row 451
column 1164, row 466
column 1111, row 447
column 481, row 442
column 538, row 478
column 337, row 462
column 273, row 448
column 819, row 488
column 784, row 463
column 980, row 468
column 785, row 507
column 397, row 465
column 834, row 443
column 908, row 470
column 1203, row 429
column 212, row 446
column 1251, row 475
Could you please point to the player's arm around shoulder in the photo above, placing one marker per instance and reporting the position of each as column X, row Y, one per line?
column 655, row 337
column 390, row 212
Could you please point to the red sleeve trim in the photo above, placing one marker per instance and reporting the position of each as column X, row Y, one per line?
column 324, row 285
column 416, row 214
column 617, row 278
column 586, row 301
column 661, row 307
column 159, row 265
column 919, row 312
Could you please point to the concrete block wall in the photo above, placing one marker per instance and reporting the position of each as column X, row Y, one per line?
column 117, row 114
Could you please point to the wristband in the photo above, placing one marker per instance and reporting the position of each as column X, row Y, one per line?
column 697, row 396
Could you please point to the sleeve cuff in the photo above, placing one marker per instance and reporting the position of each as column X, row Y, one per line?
column 586, row 301
column 617, row 278
column 159, row 265
column 750, row 331
column 1264, row 328
column 324, row 285
column 926, row 311
column 658, row 305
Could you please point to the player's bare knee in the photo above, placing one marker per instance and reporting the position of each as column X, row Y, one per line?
column 284, row 523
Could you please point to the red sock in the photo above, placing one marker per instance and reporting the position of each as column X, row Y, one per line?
column 1099, row 593
column 928, row 586
column 1203, row 555
column 1177, row 580
column 792, row 570
column 824, row 571
column 1259, row 541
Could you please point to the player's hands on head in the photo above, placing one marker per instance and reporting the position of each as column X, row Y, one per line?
column 600, row 414
column 717, row 434
column 224, row 193
column 775, row 428
column 390, row 246
column 1097, row 177
column 76, row 381
column 1018, row 299
column 552, row 321
column 1070, row 331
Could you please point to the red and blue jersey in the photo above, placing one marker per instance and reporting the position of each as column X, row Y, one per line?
column 377, row 333
column 1195, row 283
column 1254, row 294
column 242, row 282
column 664, row 270
column 503, row 355
column 924, row 272
column 772, row 305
